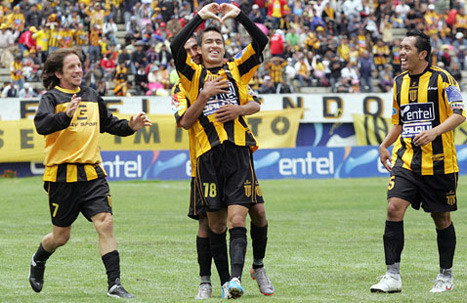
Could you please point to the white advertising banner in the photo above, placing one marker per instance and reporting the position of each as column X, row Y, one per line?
column 318, row 108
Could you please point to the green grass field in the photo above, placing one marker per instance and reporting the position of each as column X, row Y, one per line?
column 325, row 245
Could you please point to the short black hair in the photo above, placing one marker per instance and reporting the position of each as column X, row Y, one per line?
column 210, row 29
column 422, row 42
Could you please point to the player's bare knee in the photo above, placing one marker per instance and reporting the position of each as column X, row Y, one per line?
column 105, row 224
column 258, row 215
column 237, row 220
column 441, row 220
column 61, row 238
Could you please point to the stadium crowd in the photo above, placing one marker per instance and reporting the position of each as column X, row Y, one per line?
column 340, row 44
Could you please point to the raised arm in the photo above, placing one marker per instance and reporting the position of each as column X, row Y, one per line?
column 260, row 40
column 177, row 46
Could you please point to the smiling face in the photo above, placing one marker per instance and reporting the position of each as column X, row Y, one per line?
column 72, row 73
column 212, row 49
column 192, row 48
column 411, row 60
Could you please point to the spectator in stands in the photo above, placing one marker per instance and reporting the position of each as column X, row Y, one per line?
column 94, row 43
column 343, row 86
column 381, row 53
column 108, row 67
column 284, row 87
column 365, row 68
column 277, row 43
column 121, row 73
column 386, row 79
column 7, row 42
column 456, row 73
column 33, row 17
column 109, row 30
column 335, row 66
column 10, row 91
column 164, row 55
column 93, row 75
column 460, row 25
column 303, row 71
column 133, row 30
column 27, row 92
column 350, row 72
column 17, row 19
column 276, row 12
column 97, row 14
column 267, row 87
column 275, row 67
column 67, row 36
column 124, row 57
column 256, row 14
column 26, row 40
column 16, row 72
column 402, row 9
column 138, row 57
column 102, row 88
column 141, row 81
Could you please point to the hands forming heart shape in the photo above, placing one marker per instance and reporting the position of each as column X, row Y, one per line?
column 210, row 11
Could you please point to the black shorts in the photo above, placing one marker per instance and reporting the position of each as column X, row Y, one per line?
column 197, row 207
column 435, row 193
column 67, row 200
column 226, row 176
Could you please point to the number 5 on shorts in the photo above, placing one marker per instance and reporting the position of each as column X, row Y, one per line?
column 391, row 182
column 55, row 209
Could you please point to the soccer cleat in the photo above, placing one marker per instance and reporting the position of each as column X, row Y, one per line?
column 265, row 285
column 36, row 275
column 204, row 291
column 117, row 291
column 225, row 291
column 390, row 283
column 442, row 283
column 235, row 288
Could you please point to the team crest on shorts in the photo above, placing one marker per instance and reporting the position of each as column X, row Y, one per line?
column 248, row 188
column 451, row 197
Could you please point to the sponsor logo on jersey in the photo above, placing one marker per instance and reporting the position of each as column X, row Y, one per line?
column 410, row 130
column 417, row 112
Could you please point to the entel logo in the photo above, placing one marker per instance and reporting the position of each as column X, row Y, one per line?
column 128, row 169
column 306, row 166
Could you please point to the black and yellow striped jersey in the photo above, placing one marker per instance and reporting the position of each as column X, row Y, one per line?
column 55, row 38
column 422, row 102
column 238, row 73
column 71, row 144
column 180, row 104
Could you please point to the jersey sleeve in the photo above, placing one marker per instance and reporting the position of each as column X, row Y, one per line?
column 179, row 102
column 46, row 120
column 453, row 96
column 111, row 124
column 395, row 107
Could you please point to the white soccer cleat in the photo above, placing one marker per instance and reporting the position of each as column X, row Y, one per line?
column 264, row 284
column 390, row 283
column 204, row 291
column 442, row 283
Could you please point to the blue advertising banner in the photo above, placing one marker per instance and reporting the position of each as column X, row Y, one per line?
column 296, row 163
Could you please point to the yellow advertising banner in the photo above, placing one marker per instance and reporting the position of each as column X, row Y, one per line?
column 371, row 130
column 19, row 142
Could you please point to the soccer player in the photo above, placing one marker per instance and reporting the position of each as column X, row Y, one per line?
column 197, row 209
column 427, row 107
column 71, row 116
column 225, row 144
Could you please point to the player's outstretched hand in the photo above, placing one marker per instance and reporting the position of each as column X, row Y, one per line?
column 229, row 11
column 72, row 106
column 138, row 122
column 210, row 11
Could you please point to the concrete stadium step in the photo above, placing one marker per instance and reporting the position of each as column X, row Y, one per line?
column 121, row 27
